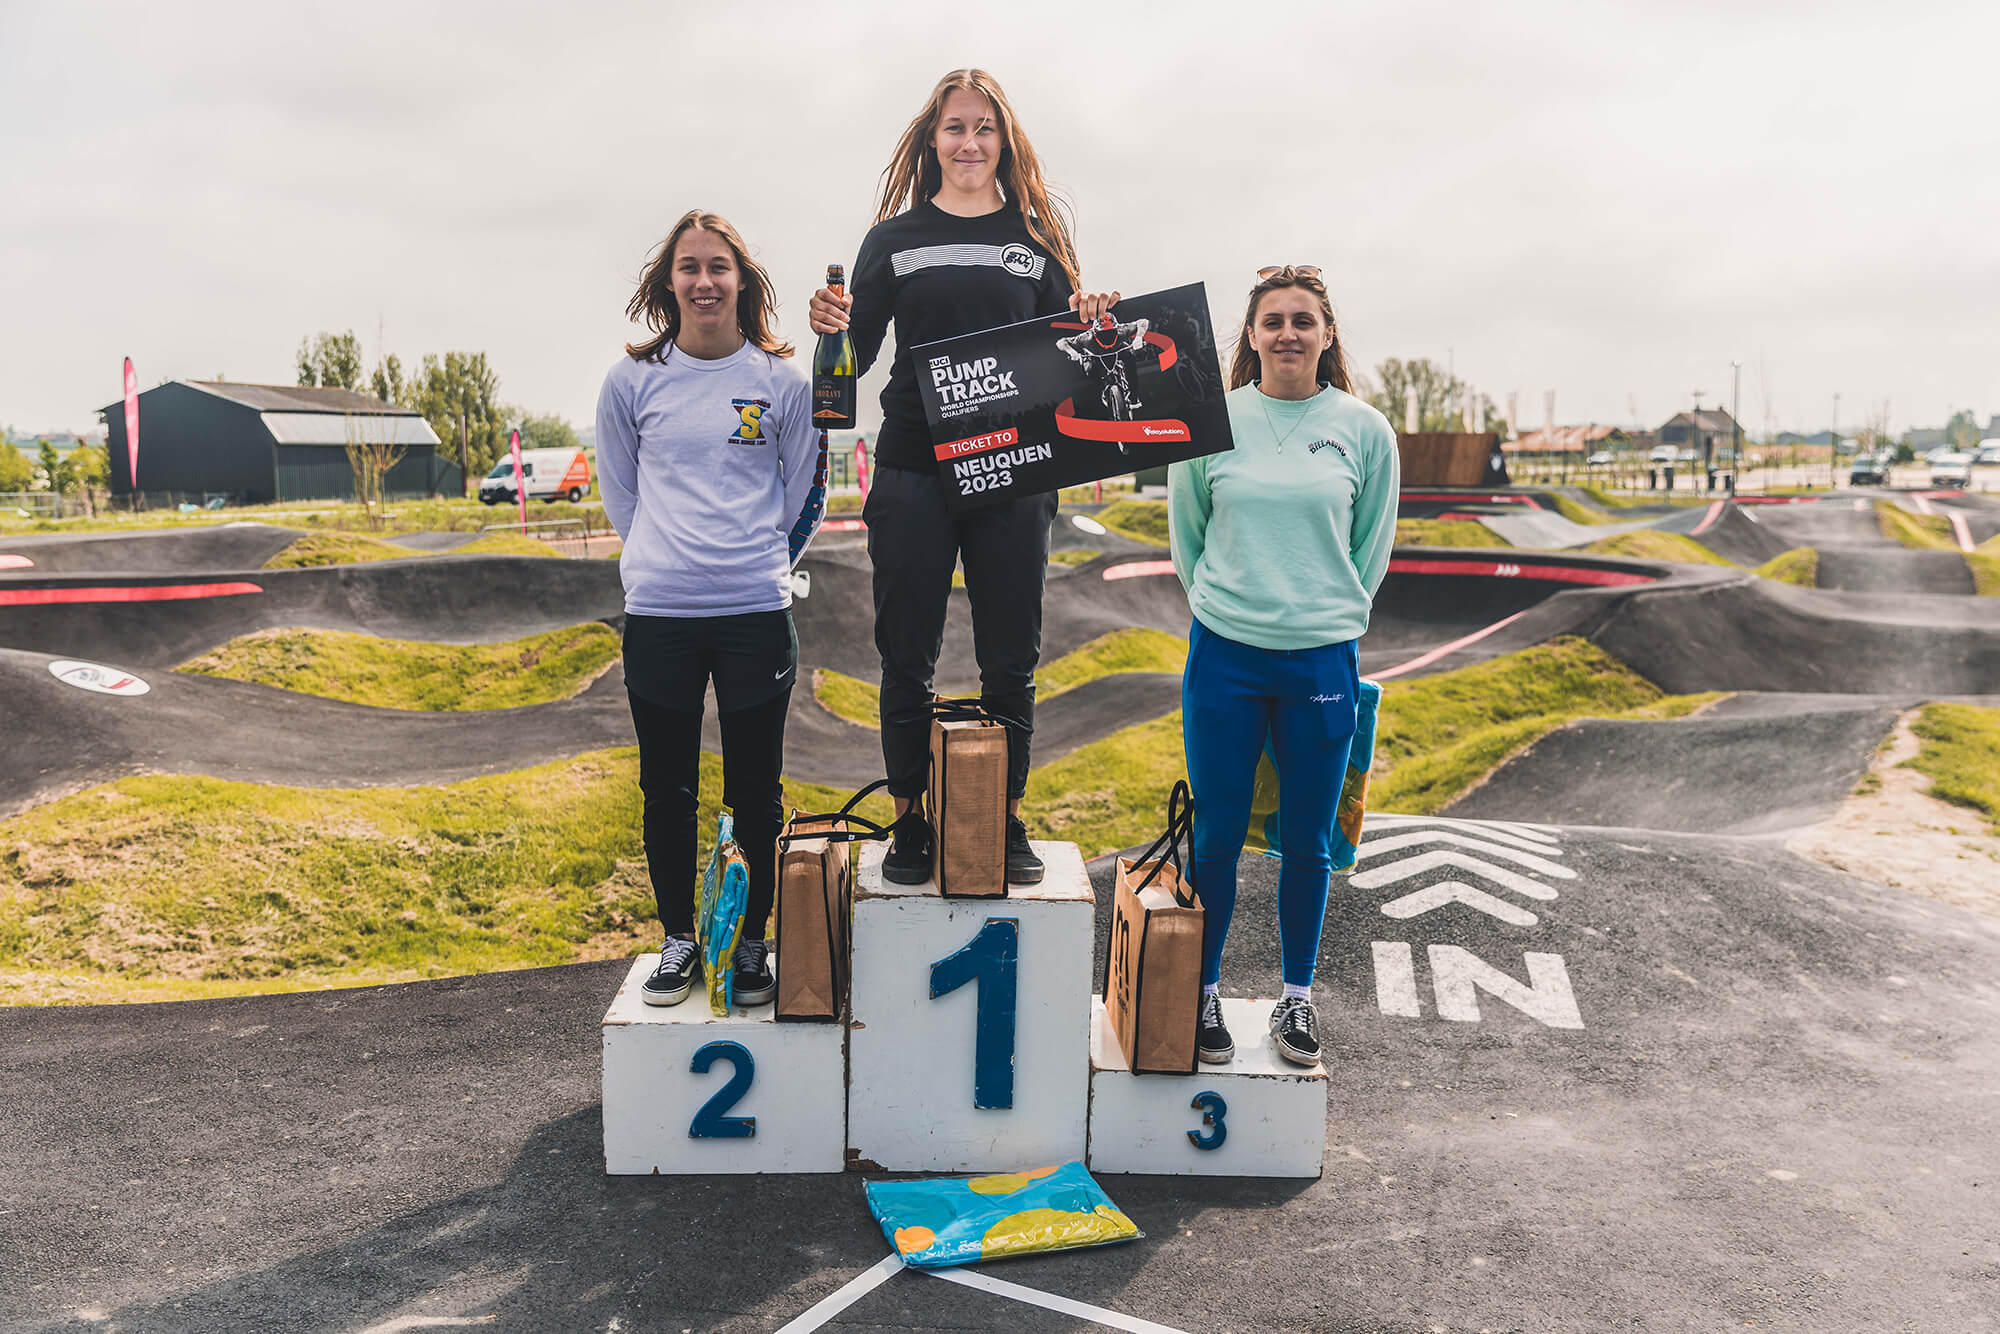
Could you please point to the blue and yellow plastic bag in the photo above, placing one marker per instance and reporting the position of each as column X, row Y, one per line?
column 938, row 1224
column 718, row 918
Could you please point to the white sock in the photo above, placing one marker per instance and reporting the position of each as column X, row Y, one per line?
column 1209, row 988
column 1298, row 993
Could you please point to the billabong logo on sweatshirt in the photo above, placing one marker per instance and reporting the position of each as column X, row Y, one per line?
column 1317, row 445
column 750, row 419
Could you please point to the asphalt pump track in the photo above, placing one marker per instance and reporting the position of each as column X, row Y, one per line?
column 1638, row 1067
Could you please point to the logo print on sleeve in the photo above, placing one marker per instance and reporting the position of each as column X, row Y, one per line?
column 750, row 420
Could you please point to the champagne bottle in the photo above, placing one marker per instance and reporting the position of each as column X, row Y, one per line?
column 833, row 369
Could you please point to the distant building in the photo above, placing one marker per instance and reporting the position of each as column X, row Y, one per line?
column 1709, row 432
column 1928, row 437
column 258, row 443
column 1571, row 440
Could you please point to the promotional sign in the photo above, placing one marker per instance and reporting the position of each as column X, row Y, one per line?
column 520, row 478
column 132, row 421
column 1053, row 402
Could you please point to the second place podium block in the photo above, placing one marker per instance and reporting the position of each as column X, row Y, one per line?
column 969, row 1045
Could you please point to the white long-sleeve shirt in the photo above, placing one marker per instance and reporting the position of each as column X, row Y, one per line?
column 712, row 473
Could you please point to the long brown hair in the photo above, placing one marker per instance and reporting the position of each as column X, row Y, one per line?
column 913, row 174
column 656, row 305
column 1332, row 368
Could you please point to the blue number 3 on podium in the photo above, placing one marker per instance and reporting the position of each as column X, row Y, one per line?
column 709, row 1122
column 1213, row 1109
column 991, row 957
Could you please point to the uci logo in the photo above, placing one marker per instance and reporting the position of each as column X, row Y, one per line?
column 1018, row 260
column 750, row 418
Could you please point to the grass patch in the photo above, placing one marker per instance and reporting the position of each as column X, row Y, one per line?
column 1133, row 649
column 505, row 544
column 1446, row 533
column 1613, row 501
column 173, row 888
column 846, row 697
column 1799, row 566
column 1652, row 544
column 1576, row 513
column 1961, row 754
column 402, row 516
column 336, row 549
column 1110, row 794
column 395, row 674
column 1923, row 532
column 1985, row 573
column 1140, row 520
column 1074, row 556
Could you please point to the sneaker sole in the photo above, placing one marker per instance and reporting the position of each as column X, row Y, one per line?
column 1293, row 1054
column 1223, row 1057
column 897, row 876
column 1033, row 877
column 761, row 996
column 666, row 997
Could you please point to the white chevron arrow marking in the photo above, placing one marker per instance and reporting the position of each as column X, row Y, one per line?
column 1413, row 841
column 1540, row 833
column 1375, row 847
column 1496, row 835
column 1454, row 891
column 1409, row 866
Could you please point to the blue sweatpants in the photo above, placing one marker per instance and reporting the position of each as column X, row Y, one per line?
column 1233, row 697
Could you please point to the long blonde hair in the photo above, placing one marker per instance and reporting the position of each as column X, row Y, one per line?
column 656, row 305
column 913, row 174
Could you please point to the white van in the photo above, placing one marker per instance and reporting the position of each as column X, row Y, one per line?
column 551, row 474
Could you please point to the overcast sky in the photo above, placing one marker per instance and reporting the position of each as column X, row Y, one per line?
column 1613, row 201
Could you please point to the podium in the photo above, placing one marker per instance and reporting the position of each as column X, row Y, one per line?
column 972, row 1043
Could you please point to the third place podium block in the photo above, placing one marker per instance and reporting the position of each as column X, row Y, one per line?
column 969, row 1049
column 1256, row 1116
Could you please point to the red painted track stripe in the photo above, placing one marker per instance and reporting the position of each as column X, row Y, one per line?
column 843, row 525
column 9, row 561
column 1708, row 519
column 35, row 597
column 1555, row 574
column 1139, row 568
column 1462, row 498
column 1443, row 650
column 1963, row 533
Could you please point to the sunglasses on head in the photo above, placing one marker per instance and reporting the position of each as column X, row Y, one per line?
column 1270, row 271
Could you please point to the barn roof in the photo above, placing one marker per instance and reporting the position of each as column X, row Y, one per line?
column 297, row 398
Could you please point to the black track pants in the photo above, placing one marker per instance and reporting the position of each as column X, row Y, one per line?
column 914, row 542
column 667, row 665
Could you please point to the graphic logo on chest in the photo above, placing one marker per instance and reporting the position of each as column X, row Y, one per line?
column 749, row 420
column 1018, row 260
column 1317, row 445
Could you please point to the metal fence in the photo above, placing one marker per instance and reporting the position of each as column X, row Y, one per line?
column 567, row 537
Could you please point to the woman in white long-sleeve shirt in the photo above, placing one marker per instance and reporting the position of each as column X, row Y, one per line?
column 715, row 477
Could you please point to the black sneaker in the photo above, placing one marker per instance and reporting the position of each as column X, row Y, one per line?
column 1213, row 1046
column 1295, row 1027
column 1023, row 866
column 752, row 982
column 679, row 969
column 908, row 861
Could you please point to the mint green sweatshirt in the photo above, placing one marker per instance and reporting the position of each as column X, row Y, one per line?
column 1282, row 545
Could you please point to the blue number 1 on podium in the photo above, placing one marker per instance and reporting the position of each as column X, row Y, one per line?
column 990, row 957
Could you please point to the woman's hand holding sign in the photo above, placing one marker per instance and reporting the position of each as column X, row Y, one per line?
column 1089, row 305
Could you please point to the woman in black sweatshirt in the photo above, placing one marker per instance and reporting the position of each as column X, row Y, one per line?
column 966, row 238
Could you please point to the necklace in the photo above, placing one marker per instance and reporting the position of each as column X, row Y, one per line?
column 1264, row 402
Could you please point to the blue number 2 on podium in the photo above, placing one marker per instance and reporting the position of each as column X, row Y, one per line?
column 709, row 1122
column 1213, row 1109
column 990, row 957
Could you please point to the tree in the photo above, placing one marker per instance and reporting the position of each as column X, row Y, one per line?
column 371, row 452
column 1440, row 395
column 50, row 467
column 387, row 381
column 1962, row 431
column 16, row 473
column 461, row 387
column 548, row 432
column 330, row 361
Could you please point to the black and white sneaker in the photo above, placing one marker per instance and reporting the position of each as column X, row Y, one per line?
column 752, row 982
column 679, row 969
column 1023, row 866
column 1295, row 1028
column 1213, row 1044
column 908, row 861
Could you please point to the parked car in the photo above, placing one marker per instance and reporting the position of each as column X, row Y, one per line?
column 1988, row 452
column 1951, row 470
column 1870, row 469
column 1661, row 454
column 1599, row 459
column 550, row 474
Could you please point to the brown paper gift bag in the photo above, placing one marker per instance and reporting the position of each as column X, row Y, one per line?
column 816, row 909
column 968, row 800
column 1152, row 974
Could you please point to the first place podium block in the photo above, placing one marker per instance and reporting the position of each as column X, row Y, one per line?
column 686, row 1091
column 970, row 1042
column 1257, row 1116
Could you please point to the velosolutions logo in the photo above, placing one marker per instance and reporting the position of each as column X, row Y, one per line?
column 96, row 679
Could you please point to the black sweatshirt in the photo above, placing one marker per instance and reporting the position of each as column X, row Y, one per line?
column 939, row 275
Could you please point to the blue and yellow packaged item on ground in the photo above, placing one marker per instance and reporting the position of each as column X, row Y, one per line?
column 938, row 1224
column 718, row 918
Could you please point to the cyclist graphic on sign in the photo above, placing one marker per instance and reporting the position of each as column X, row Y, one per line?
column 1108, row 352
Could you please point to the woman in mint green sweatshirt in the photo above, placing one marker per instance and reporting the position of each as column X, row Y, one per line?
column 1281, row 543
